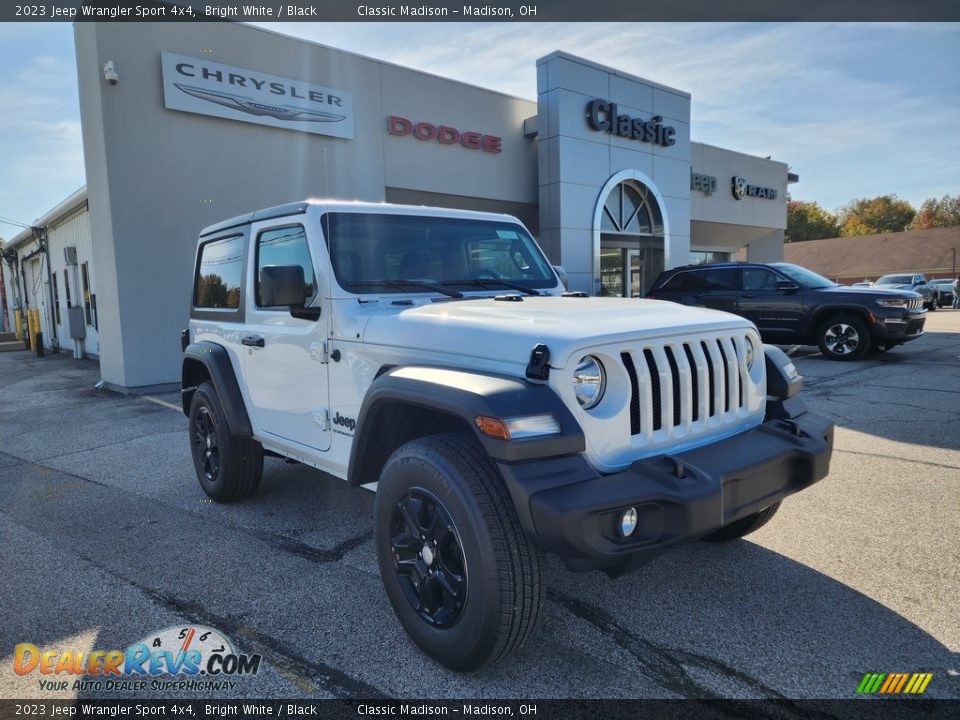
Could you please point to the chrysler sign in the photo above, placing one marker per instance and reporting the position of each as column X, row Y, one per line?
column 209, row 88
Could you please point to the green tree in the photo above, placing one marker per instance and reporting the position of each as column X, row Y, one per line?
column 934, row 213
column 868, row 216
column 809, row 221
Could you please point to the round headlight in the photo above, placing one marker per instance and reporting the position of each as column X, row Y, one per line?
column 750, row 351
column 589, row 382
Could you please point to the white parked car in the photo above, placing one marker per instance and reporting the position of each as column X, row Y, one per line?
column 433, row 355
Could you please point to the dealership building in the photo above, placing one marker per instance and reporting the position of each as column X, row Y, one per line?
column 186, row 124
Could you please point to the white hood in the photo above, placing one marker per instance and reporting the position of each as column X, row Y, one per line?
column 508, row 331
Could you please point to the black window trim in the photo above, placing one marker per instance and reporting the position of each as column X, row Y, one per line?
column 308, row 302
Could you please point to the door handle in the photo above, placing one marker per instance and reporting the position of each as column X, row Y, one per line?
column 253, row 340
column 748, row 295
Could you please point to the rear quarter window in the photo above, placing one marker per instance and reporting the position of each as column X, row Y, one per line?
column 219, row 270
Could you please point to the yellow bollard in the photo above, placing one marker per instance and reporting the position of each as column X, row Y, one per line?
column 18, row 324
column 33, row 326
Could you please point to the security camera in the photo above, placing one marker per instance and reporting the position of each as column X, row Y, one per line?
column 109, row 74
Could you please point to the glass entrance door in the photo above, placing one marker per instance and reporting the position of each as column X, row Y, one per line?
column 629, row 271
column 631, row 241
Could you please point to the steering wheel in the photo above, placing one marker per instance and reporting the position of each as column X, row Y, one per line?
column 486, row 274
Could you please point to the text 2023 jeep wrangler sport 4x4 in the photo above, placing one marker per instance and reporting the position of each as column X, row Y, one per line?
column 434, row 355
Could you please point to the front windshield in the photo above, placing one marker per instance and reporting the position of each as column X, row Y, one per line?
column 374, row 252
column 807, row 279
column 895, row 280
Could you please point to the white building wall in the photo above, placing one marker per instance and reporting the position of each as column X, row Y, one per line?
column 74, row 231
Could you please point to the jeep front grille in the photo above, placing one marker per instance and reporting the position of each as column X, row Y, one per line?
column 688, row 386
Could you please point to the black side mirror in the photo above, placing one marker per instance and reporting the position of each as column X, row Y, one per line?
column 284, row 286
column 786, row 285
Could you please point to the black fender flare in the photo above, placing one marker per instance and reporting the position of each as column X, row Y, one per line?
column 465, row 395
column 216, row 360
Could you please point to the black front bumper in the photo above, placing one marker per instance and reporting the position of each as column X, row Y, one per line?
column 895, row 326
column 574, row 512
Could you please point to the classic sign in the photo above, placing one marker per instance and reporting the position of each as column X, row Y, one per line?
column 604, row 116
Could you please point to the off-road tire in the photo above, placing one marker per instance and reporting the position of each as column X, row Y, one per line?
column 239, row 460
column 852, row 327
column 502, row 567
column 745, row 526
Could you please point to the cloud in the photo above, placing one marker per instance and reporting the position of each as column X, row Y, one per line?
column 40, row 135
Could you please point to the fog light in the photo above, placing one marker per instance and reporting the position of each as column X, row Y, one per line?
column 628, row 522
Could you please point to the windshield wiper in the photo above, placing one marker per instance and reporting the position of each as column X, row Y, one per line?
column 484, row 282
column 400, row 284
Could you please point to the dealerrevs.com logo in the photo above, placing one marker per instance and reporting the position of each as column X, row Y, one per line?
column 178, row 658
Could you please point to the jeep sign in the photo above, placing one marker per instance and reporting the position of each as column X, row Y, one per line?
column 707, row 184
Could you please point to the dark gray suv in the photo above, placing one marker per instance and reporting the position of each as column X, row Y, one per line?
column 792, row 305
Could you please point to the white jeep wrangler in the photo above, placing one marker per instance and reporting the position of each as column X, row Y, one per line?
column 433, row 355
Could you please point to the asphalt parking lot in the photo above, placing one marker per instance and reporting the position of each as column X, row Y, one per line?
column 106, row 538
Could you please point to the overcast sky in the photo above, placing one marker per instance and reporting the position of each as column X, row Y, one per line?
column 856, row 110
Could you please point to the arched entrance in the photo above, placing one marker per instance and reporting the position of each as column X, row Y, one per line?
column 631, row 229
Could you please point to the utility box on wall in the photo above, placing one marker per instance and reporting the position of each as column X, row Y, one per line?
column 76, row 323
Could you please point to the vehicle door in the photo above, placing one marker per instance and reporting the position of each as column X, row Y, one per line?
column 702, row 287
column 286, row 371
column 777, row 311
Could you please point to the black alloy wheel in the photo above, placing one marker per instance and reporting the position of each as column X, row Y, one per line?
column 459, row 571
column 206, row 449
column 228, row 466
column 428, row 558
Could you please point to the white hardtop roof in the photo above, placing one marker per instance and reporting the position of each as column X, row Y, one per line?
column 320, row 205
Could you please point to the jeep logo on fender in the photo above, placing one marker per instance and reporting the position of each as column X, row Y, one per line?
column 602, row 116
column 742, row 189
column 443, row 134
column 347, row 422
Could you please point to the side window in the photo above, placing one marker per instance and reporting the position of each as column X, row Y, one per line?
column 720, row 279
column 218, row 274
column 692, row 281
column 759, row 279
column 286, row 246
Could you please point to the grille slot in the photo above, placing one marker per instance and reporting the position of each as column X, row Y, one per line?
column 654, row 388
column 713, row 382
column 634, row 393
column 736, row 352
column 675, row 377
column 726, row 378
column 694, row 382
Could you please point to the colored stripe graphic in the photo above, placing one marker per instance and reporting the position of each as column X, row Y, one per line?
column 894, row 683
column 900, row 684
